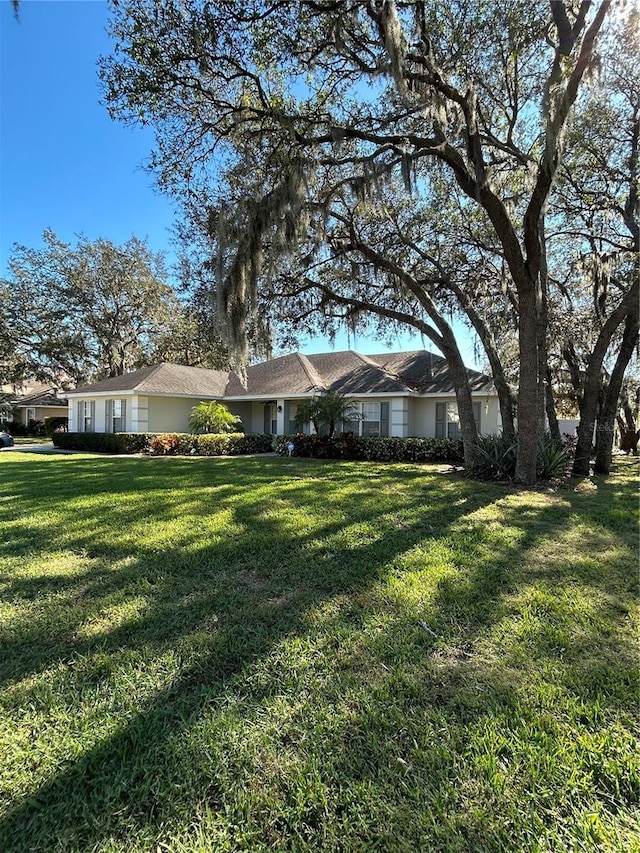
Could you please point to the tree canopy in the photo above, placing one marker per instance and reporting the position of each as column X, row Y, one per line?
column 85, row 311
column 333, row 153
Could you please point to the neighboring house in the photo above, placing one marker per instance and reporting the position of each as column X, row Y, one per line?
column 400, row 394
column 38, row 405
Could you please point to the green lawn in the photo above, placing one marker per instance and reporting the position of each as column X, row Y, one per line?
column 292, row 655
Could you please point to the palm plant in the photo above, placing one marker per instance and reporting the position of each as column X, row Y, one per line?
column 213, row 417
column 327, row 410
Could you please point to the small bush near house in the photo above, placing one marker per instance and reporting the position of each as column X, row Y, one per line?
column 103, row 442
column 234, row 444
column 35, row 427
column 172, row 444
column 554, row 458
column 243, row 444
column 495, row 458
column 372, row 448
column 164, row 445
column 16, row 428
column 55, row 424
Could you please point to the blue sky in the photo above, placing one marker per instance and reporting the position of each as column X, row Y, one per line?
column 65, row 164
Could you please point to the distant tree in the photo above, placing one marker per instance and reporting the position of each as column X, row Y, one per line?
column 213, row 417
column 85, row 311
column 191, row 341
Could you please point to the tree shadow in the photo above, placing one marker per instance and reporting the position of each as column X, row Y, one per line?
column 236, row 602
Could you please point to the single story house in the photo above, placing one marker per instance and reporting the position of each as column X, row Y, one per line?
column 400, row 394
column 40, row 404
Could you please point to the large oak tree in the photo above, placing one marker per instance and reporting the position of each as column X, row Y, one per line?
column 267, row 114
column 73, row 313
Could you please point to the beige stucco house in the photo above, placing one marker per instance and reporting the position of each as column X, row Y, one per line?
column 38, row 405
column 400, row 394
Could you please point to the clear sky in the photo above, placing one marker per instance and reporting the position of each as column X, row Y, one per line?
column 64, row 164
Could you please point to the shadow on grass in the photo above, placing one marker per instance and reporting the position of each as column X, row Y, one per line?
column 238, row 602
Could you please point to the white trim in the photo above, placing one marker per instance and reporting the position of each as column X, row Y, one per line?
column 81, row 395
column 248, row 398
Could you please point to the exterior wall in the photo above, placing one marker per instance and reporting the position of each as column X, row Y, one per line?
column 490, row 420
column 41, row 412
column 408, row 416
column 422, row 416
column 568, row 426
column 256, row 418
column 159, row 414
column 100, row 404
column 170, row 414
column 244, row 412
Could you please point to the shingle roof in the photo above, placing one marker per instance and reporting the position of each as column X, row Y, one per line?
column 288, row 374
column 164, row 378
column 48, row 398
column 346, row 372
column 428, row 373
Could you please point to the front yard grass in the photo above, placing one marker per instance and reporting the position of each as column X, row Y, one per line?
column 293, row 655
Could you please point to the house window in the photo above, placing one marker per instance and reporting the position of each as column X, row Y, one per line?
column 116, row 416
column 293, row 425
column 375, row 420
column 86, row 416
column 271, row 419
column 448, row 420
column 31, row 415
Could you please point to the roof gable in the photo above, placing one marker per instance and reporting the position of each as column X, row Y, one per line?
column 287, row 374
column 163, row 378
column 347, row 372
column 47, row 397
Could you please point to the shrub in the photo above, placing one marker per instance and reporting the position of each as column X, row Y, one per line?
column 103, row 442
column 35, row 427
column 372, row 448
column 164, row 445
column 172, row 444
column 57, row 423
column 234, row 444
column 241, row 444
column 15, row 428
column 554, row 458
column 495, row 458
column 213, row 444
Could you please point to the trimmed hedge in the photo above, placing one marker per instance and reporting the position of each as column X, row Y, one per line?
column 233, row 444
column 373, row 448
column 165, row 444
column 102, row 442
